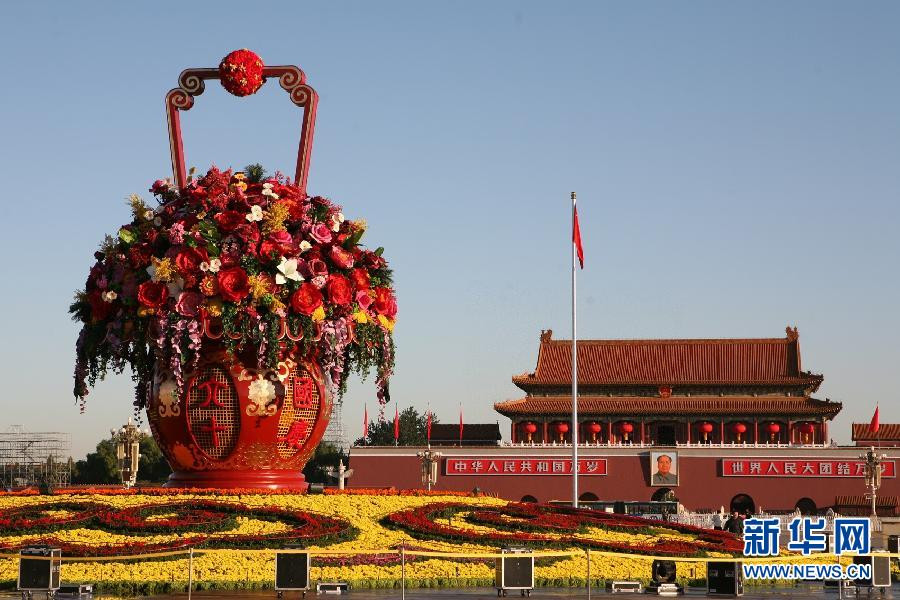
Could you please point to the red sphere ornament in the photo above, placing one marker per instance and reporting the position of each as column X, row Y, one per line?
column 241, row 72
column 739, row 428
column 594, row 427
column 562, row 428
column 807, row 428
column 706, row 427
column 774, row 427
column 626, row 427
column 530, row 428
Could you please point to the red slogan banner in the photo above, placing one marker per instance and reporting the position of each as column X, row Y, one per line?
column 800, row 468
column 522, row 466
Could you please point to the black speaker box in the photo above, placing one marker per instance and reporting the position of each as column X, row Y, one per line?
column 291, row 571
column 724, row 578
column 514, row 573
column 39, row 568
column 881, row 570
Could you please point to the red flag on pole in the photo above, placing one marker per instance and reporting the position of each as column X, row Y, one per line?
column 396, row 425
column 576, row 238
column 460, row 424
column 428, row 426
column 366, row 421
column 873, row 425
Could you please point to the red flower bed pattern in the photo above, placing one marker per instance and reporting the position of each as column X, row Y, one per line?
column 204, row 524
column 423, row 522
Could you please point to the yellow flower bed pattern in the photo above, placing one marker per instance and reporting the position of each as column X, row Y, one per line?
column 228, row 569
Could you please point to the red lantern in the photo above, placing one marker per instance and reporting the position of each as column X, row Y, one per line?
column 774, row 427
column 739, row 429
column 807, row 430
column 626, row 429
column 594, row 428
column 705, row 429
column 529, row 428
column 562, row 428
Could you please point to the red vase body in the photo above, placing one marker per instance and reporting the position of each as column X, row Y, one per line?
column 237, row 426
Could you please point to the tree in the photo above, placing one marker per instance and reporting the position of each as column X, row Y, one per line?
column 326, row 455
column 412, row 430
column 99, row 467
column 153, row 466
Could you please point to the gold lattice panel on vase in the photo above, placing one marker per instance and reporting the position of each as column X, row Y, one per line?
column 299, row 412
column 214, row 411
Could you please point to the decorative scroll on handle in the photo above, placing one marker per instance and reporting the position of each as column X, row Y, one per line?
column 191, row 84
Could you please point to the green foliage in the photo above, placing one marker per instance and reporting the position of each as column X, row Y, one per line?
column 153, row 466
column 326, row 455
column 412, row 430
column 255, row 173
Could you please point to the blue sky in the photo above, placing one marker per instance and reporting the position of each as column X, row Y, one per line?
column 736, row 166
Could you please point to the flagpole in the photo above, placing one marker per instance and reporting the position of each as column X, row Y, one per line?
column 574, row 371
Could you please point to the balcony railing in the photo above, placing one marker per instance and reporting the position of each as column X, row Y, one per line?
column 651, row 444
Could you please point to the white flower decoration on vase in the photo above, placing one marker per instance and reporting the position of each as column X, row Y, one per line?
column 261, row 393
column 304, row 246
column 287, row 269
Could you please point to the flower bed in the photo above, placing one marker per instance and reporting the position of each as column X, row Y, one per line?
column 227, row 526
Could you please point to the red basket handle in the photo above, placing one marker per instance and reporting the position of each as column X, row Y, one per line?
column 190, row 84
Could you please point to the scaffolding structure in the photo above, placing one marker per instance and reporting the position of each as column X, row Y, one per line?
column 334, row 433
column 30, row 458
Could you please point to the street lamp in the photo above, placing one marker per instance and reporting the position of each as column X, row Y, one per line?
column 430, row 461
column 872, row 473
column 128, row 451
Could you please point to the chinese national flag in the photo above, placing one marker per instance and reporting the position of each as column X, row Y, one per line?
column 366, row 422
column 576, row 239
column 873, row 425
column 428, row 427
column 396, row 424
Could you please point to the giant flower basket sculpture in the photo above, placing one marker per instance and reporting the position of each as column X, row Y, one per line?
column 240, row 303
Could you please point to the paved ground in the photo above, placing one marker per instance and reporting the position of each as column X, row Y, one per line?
column 800, row 592
column 755, row 593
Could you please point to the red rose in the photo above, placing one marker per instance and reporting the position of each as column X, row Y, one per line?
column 385, row 302
column 339, row 290
column 316, row 266
column 188, row 259
column 153, row 294
column 229, row 220
column 341, row 257
column 233, row 284
column 188, row 304
column 306, row 299
column 360, row 278
column 279, row 243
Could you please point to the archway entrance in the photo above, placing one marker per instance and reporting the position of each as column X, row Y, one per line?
column 743, row 504
column 588, row 497
column 806, row 506
column 529, row 498
column 662, row 495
